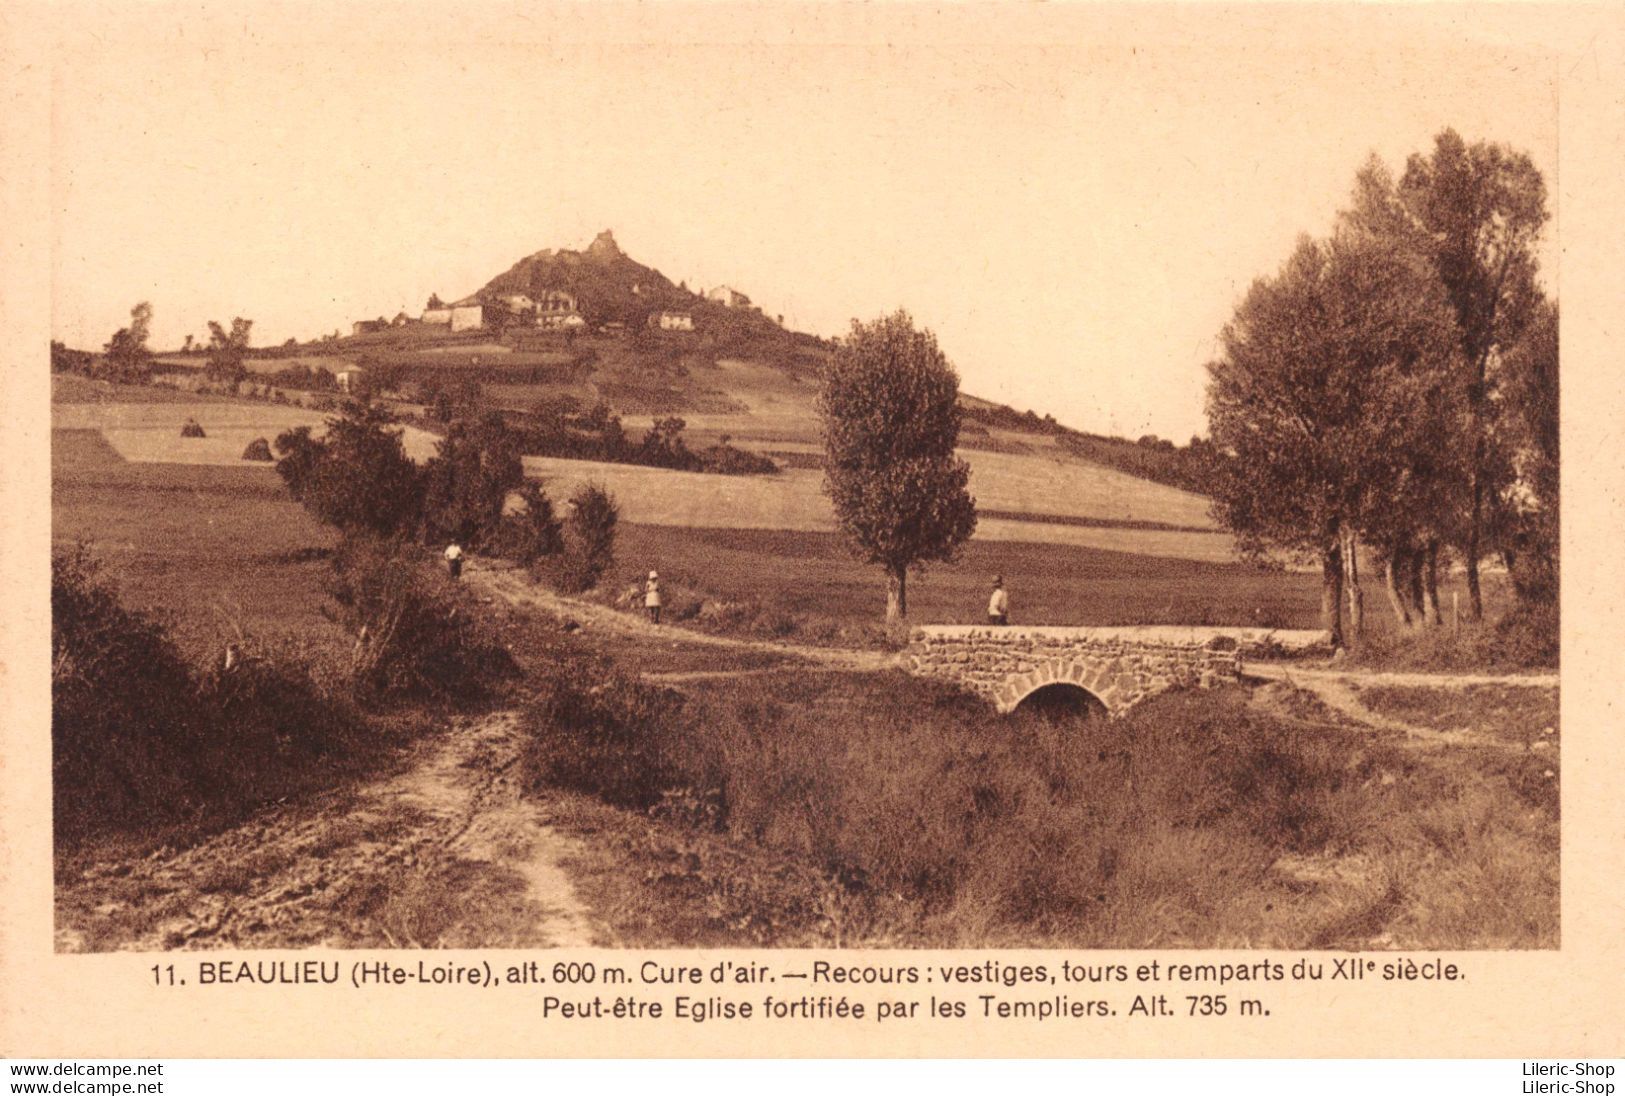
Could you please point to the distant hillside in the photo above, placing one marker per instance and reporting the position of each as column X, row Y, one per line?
column 1150, row 457
column 735, row 373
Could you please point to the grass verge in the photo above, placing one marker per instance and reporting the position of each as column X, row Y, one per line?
column 878, row 809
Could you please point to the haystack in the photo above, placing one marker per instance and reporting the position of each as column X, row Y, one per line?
column 191, row 429
column 258, row 449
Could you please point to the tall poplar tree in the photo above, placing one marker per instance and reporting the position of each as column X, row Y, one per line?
column 890, row 415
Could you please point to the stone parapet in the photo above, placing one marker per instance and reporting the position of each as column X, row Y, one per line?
column 1119, row 666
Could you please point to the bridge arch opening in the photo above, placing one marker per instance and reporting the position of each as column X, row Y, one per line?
column 1062, row 700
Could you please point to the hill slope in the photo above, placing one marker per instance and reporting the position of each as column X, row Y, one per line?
column 741, row 377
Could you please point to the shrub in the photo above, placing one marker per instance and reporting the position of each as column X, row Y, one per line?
column 1525, row 637
column 358, row 477
column 138, row 740
column 1019, row 825
column 530, row 534
column 125, row 725
column 1528, row 635
column 415, row 634
column 728, row 460
column 589, row 539
column 601, row 732
column 467, row 482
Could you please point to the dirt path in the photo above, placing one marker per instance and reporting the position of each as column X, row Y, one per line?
column 1279, row 671
column 445, row 852
column 1339, row 690
column 513, row 587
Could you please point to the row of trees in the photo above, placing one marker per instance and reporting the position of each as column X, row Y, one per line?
column 1393, row 389
column 559, row 426
column 357, row 477
column 126, row 358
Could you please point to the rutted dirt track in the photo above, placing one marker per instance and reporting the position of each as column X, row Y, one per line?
column 1339, row 691
column 445, row 852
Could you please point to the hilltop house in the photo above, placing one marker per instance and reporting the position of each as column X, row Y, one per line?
column 401, row 320
column 471, row 313
column 728, row 297
column 367, row 327
column 672, row 321
column 558, row 310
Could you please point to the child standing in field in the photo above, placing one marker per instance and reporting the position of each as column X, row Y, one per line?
column 454, row 560
column 651, row 597
column 998, row 606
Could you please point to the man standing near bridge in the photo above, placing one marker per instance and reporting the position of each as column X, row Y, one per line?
column 998, row 606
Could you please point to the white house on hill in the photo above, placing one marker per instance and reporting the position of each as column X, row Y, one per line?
column 349, row 378
column 728, row 297
column 471, row 313
column 674, row 321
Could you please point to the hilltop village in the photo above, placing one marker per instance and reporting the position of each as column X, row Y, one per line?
column 549, row 302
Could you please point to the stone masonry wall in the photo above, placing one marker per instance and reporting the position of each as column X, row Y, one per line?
column 1120, row 666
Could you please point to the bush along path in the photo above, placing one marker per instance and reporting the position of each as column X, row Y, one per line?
column 443, row 852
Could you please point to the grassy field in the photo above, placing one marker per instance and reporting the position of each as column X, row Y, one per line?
column 220, row 552
column 213, row 549
column 1036, row 497
column 794, row 500
column 150, row 432
column 762, row 540
column 812, row 576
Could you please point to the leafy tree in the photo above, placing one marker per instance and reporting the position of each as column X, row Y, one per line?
column 605, row 426
column 589, row 538
column 128, row 361
column 468, row 480
column 1482, row 208
column 663, row 446
column 1316, row 405
column 890, row 415
column 357, row 476
column 531, row 532
column 226, row 350
column 1530, row 537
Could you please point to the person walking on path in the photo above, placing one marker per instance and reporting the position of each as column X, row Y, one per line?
column 454, row 560
column 651, row 597
column 998, row 606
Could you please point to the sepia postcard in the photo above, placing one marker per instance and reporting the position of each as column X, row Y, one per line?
column 811, row 529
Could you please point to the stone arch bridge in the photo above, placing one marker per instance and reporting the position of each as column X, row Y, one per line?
column 1115, row 668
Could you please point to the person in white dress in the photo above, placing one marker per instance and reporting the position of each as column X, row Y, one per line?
column 651, row 597
column 454, row 559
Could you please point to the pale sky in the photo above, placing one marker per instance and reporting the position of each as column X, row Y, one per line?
column 1073, row 198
